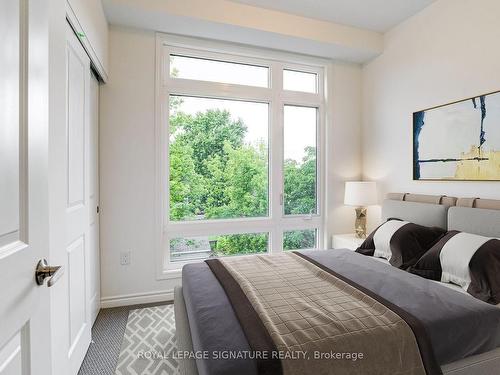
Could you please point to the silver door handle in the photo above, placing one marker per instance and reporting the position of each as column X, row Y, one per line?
column 43, row 270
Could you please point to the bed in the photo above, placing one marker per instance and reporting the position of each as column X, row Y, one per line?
column 463, row 332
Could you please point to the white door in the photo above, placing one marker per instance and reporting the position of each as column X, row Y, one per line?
column 77, row 200
column 94, row 253
column 23, row 190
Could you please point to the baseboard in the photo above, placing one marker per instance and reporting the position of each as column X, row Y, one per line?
column 137, row 298
column 95, row 306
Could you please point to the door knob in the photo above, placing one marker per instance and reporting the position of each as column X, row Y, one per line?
column 43, row 270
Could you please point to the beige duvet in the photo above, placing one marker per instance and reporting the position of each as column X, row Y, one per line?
column 321, row 324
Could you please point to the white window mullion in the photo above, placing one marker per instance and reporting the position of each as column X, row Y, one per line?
column 219, row 226
column 217, row 90
column 301, row 99
column 321, row 175
column 276, row 160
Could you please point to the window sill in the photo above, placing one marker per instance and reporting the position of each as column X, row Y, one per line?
column 176, row 273
column 170, row 274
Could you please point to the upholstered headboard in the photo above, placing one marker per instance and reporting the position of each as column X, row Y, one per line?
column 428, row 214
column 472, row 215
column 480, row 221
column 428, row 210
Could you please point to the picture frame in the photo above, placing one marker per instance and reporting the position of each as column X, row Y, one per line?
column 458, row 141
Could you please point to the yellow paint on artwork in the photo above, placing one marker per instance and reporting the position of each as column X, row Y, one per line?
column 479, row 169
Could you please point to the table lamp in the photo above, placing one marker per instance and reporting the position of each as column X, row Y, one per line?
column 360, row 194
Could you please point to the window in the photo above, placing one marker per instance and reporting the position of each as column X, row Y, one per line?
column 202, row 247
column 300, row 177
column 218, row 154
column 300, row 81
column 240, row 149
column 218, row 71
column 299, row 239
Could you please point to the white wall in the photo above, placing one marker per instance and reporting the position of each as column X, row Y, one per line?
column 344, row 143
column 447, row 52
column 128, row 166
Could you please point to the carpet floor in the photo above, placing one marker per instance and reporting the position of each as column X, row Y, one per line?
column 107, row 336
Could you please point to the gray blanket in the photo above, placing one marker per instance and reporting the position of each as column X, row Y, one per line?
column 457, row 324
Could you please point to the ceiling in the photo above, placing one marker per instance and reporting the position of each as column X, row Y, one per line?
column 376, row 15
column 345, row 30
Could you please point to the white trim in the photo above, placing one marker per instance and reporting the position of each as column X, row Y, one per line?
column 210, row 45
column 159, row 161
column 276, row 61
column 171, row 274
column 137, row 298
column 75, row 24
column 325, row 161
column 95, row 307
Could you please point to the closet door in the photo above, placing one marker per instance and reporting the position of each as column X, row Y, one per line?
column 77, row 200
column 94, row 253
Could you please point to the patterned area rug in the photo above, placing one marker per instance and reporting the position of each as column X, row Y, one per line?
column 149, row 343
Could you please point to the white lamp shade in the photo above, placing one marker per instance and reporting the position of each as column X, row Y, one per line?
column 360, row 193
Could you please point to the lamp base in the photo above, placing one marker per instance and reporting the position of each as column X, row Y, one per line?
column 360, row 223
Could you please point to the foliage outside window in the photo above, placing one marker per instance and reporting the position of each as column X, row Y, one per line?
column 202, row 247
column 214, row 173
column 299, row 239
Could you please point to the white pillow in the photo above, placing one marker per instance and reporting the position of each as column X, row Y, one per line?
column 382, row 238
column 455, row 257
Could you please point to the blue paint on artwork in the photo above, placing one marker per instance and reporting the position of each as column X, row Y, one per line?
column 451, row 159
column 482, row 136
column 418, row 124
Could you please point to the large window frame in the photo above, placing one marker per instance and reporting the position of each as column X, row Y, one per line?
column 277, row 222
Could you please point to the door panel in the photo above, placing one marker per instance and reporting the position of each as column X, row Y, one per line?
column 77, row 217
column 10, row 356
column 23, row 186
column 77, row 302
column 9, row 114
column 17, row 254
column 14, row 355
column 76, row 128
column 10, row 76
column 94, row 253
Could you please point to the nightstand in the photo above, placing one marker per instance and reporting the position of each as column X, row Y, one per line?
column 346, row 241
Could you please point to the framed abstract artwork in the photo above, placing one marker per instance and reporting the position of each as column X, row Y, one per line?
column 459, row 141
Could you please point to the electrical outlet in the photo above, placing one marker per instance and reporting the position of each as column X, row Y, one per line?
column 125, row 258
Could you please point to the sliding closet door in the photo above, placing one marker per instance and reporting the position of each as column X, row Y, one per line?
column 94, row 253
column 77, row 200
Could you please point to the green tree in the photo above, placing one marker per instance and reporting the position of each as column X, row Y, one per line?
column 216, row 180
column 240, row 186
column 300, row 184
column 186, row 187
column 299, row 239
column 207, row 133
column 201, row 139
column 238, row 244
